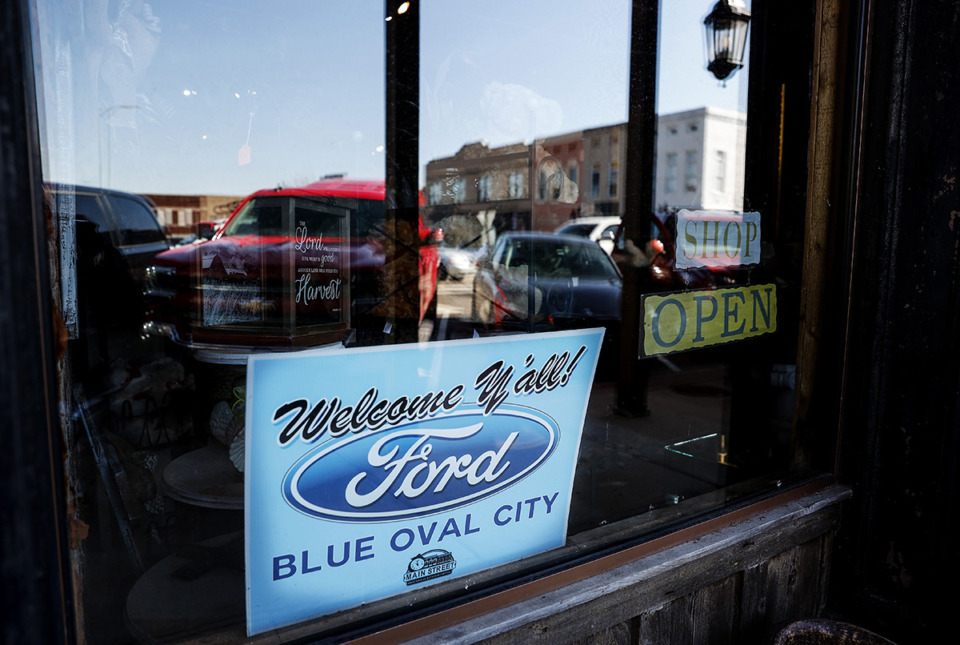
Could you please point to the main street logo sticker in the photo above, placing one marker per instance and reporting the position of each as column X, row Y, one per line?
column 427, row 566
column 369, row 461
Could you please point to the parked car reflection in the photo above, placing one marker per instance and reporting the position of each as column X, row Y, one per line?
column 602, row 230
column 539, row 281
column 117, row 237
column 658, row 259
column 458, row 262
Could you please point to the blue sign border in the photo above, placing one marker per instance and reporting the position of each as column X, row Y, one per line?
column 373, row 471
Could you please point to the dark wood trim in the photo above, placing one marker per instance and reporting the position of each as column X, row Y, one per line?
column 822, row 209
column 402, row 169
column 638, row 197
column 900, row 420
column 444, row 619
column 36, row 602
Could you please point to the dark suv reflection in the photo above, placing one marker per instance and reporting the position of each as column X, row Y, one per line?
column 117, row 236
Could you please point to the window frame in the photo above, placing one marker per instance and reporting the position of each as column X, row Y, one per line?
column 33, row 488
column 37, row 329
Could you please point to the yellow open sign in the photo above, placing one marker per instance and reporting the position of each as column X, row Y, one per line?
column 678, row 322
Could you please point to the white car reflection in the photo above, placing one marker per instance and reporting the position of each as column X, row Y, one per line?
column 601, row 229
column 456, row 263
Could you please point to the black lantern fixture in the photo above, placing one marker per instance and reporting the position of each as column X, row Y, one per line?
column 726, row 32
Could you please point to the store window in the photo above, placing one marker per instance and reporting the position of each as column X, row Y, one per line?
column 485, row 188
column 517, row 185
column 435, row 193
column 670, row 181
column 691, row 172
column 720, row 175
column 253, row 445
column 459, row 191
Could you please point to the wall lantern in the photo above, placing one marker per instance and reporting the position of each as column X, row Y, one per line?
column 726, row 32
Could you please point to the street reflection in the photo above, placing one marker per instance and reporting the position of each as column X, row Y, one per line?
column 215, row 180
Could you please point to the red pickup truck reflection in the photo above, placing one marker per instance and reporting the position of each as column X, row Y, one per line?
column 290, row 267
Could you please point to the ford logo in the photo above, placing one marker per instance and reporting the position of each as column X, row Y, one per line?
column 421, row 468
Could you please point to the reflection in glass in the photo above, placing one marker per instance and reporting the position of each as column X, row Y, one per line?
column 526, row 278
column 157, row 120
column 257, row 134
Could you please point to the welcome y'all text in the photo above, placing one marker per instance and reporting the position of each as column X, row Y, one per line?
column 310, row 421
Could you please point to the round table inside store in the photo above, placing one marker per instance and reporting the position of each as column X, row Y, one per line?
column 205, row 477
column 199, row 589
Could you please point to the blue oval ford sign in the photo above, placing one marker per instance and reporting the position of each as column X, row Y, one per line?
column 420, row 468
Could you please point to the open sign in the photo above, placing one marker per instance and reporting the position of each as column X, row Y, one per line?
column 681, row 321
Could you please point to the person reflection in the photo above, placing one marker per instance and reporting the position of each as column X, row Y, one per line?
column 115, row 47
column 110, row 302
column 133, row 38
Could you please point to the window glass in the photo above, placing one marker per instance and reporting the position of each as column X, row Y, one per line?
column 517, row 185
column 700, row 425
column 720, row 175
column 196, row 106
column 90, row 209
column 582, row 230
column 136, row 223
column 242, row 149
column 671, row 175
column 484, row 188
column 691, row 170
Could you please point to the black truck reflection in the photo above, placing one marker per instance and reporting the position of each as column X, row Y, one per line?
column 117, row 237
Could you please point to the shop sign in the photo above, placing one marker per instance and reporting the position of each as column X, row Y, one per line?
column 374, row 471
column 677, row 322
column 717, row 239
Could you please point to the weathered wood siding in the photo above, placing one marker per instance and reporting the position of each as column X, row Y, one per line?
column 737, row 585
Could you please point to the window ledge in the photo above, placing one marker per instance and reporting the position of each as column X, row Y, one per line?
column 649, row 581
